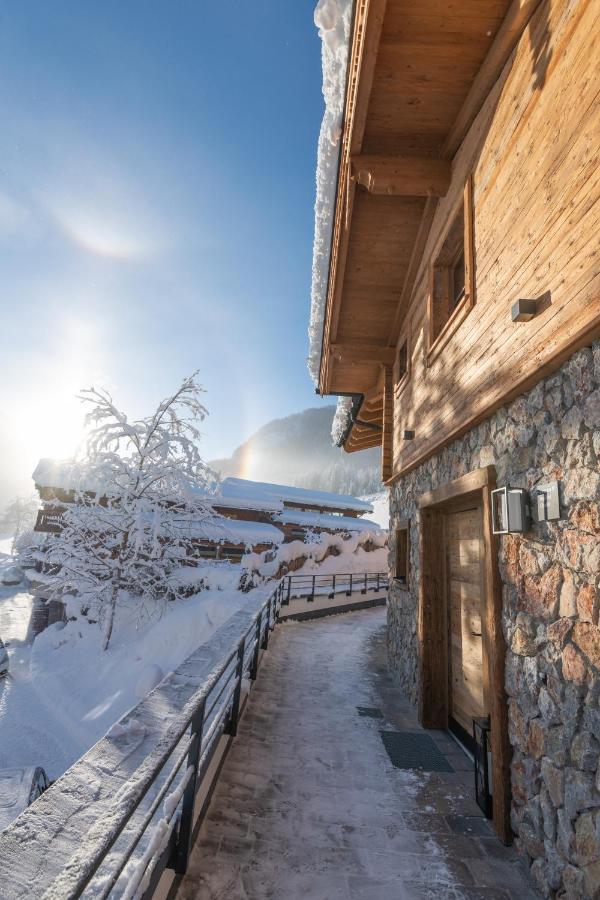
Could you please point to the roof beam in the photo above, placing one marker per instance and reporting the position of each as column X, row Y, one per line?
column 516, row 20
column 356, row 352
column 402, row 176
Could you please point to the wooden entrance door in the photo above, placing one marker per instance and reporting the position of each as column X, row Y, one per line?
column 464, row 568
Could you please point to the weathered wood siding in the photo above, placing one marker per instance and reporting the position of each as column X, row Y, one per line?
column 533, row 155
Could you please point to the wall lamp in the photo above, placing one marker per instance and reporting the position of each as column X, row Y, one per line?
column 510, row 510
column 513, row 510
column 523, row 310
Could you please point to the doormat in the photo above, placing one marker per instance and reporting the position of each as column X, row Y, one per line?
column 370, row 712
column 414, row 750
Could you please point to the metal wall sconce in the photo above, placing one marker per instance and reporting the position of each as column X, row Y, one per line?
column 408, row 434
column 510, row 510
column 545, row 506
column 481, row 758
column 523, row 310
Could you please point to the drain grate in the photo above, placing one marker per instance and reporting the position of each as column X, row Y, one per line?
column 371, row 712
column 414, row 750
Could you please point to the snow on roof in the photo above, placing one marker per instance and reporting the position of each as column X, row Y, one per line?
column 332, row 18
column 341, row 420
column 324, row 521
column 240, row 494
column 221, row 530
column 287, row 494
column 65, row 475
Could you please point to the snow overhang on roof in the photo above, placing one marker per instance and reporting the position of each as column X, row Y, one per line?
column 332, row 18
column 221, row 530
column 65, row 475
column 241, row 494
column 283, row 493
column 325, row 522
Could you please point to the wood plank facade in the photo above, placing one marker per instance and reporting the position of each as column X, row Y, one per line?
column 533, row 139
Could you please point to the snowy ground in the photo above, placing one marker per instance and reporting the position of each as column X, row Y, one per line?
column 63, row 692
column 381, row 508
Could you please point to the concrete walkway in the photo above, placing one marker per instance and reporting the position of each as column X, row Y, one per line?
column 309, row 805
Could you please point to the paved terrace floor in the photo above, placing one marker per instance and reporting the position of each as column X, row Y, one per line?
column 309, row 805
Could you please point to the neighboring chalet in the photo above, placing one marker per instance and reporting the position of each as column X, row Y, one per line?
column 462, row 316
column 296, row 511
column 250, row 516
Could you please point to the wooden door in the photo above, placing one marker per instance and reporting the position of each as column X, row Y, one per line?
column 464, row 568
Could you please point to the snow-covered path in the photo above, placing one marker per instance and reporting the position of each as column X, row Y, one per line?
column 309, row 805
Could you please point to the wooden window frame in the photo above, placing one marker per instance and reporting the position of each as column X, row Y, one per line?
column 433, row 628
column 400, row 381
column 402, row 554
column 467, row 301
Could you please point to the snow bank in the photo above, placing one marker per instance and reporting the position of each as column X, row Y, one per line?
column 332, row 18
column 327, row 554
column 65, row 693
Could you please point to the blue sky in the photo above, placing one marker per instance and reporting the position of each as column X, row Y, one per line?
column 157, row 172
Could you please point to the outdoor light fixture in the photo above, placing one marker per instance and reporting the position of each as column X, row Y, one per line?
column 510, row 510
column 408, row 434
column 523, row 310
column 545, row 506
column 482, row 760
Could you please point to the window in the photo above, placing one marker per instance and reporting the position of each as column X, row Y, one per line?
column 402, row 562
column 451, row 292
column 402, row 365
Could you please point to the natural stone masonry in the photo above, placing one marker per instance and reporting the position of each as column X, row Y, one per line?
column 551, row 598
column 309, row 806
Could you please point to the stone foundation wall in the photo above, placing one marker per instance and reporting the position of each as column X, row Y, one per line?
column 551, row 593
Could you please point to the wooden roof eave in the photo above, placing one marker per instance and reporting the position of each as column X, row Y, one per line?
column 366, row 33
column 367, row 27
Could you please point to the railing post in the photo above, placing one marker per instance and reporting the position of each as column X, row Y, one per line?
column 349, row 592
column 289, row 590
column 265, row 642
column 235, row 706
column 186, row 822
column 377, row 589
column 312, row 596
column 254, row 669
column 364, row 590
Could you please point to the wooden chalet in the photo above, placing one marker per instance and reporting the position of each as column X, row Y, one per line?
column 249, row 515
column 229, row 537
column 462, row 315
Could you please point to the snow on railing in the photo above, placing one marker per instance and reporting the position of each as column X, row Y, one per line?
column 126, row 811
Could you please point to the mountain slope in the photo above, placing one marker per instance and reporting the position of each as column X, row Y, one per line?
column 297, row 450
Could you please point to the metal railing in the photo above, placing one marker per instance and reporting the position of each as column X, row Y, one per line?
column 309, row 587
column 189, row 744
column 186, row 750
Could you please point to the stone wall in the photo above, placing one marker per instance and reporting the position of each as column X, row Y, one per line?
column 551, row 592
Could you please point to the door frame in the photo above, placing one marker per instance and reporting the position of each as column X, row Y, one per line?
column 433, row 627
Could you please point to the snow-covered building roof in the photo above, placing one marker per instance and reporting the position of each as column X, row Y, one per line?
column 221, row 530
column 237, row 493
column 65, row 475
column 325, row 522
column 261, row 492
